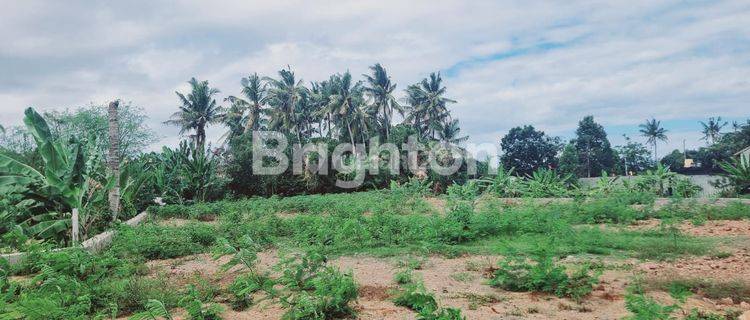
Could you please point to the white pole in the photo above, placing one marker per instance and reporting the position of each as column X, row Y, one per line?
column 74, row 219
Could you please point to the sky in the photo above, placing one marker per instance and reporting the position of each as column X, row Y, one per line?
column 507, row 63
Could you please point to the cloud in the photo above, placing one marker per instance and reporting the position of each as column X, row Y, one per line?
column 508, row 63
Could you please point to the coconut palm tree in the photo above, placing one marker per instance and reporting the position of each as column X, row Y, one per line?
column 653, row 132
column 247, row 113
column 345, row 104
column 712, row 130
column 198, row 110
column 283, row 95
column 450, row 132
column 380, row 89
column 428, row 107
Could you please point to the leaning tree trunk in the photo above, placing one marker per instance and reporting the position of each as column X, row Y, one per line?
column 114, row 158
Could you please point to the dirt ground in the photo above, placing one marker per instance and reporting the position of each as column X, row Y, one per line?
column 462, row 282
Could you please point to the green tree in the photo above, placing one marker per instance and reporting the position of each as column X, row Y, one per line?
column 593, row 148
column 653, row 132
column 526, row 150
column 247, row 113
column 633, row 156
column 197, row 110
column 92, row 124
column 427, row 105
column 380, row 89
column 569, row 160
column 346, row 104
column 450, row 132
column 712, row 129
column 283, row 95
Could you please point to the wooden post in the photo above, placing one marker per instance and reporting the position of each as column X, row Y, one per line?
column 76, row 228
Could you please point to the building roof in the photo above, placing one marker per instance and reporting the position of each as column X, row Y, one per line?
column 746, row 150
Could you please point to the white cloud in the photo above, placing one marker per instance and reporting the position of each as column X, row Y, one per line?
column 621, row 61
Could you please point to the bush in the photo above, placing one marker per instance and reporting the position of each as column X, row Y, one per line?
column 316, row 291
column 516, row 274
column 160, row 242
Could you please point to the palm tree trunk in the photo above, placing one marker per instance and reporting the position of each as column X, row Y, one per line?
column 114, row 158
column 388, row 112
column 351, row 136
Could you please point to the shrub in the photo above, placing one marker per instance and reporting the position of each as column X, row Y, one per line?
column 328, row 296
column 415, row 297
column 516, row 274
column 160, row 242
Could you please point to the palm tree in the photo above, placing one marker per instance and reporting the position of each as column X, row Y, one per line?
column 428, row 108
column 653, row 132
column 736, row 126
column 345, row 104
column 712, row 130
column 380, row 89
column 282, row 96
column 246, row 114
column 198, row 110
column 451, row 133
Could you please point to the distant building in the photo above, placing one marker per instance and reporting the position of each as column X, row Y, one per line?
column 745, row 152
column 689, row 163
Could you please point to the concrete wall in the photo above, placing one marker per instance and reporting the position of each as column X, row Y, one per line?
column 94, row 244
column 704, row 181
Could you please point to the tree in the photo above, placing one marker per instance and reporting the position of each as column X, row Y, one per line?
column 427, row 105
column 91, row 124
column 526, row 150
column 283, row 95
column 451, row 133
column 712, row 130
column 113, row 160
column 653, row 132
column 246, row 114
column 380, row 89
column 594, row 150
column 346, row 103
column 569, row 160
column 61, row 186
column 197, row 110
column 634, row 156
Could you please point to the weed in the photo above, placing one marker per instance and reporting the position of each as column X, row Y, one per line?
column 462, row 276
column 516, row 274
column 403, row 277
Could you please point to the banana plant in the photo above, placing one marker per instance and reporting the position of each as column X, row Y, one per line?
column 737, row 173
column 61, row 184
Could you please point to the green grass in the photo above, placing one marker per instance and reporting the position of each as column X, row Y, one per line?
column 377, row 223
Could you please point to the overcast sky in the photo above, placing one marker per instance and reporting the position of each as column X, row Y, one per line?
column 507, row 63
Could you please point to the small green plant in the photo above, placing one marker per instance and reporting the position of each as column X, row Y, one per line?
column 645, row 308
column 315, row 291
column 516, row 274
column 412, row 263
column 403, row 277
column 196, row 309
column 155, row 310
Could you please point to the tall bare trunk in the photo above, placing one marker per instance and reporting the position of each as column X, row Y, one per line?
column 114, row 158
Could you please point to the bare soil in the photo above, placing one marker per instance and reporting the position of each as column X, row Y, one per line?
column 462, row 283
column 711, row 228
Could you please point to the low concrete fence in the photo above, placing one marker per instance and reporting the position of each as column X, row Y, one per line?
column 94, row 244
column 703, row 181
column 658, row 202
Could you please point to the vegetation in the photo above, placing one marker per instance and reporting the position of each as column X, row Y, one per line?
column 57, row 165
